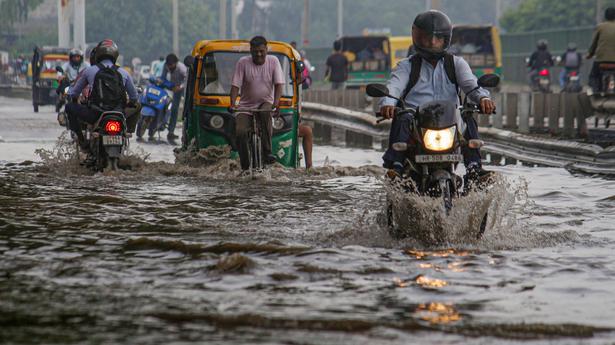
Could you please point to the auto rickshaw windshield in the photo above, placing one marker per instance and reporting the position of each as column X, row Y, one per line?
column 49, row 65
column 218, row 69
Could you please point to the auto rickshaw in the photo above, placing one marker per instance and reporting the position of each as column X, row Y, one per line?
column 44, row 74
column 207, row 121
column 372, row 57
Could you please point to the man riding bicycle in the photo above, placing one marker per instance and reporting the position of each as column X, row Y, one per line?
column 260, row 79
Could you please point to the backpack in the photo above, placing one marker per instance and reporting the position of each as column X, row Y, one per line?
column 108, row 91
column 415, row 73
column 571, row 59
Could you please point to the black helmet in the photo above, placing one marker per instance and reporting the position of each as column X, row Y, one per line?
column 542, row 44
column 107, row 49
column 428, row 25
column 75, row 53
column 93, row 56
column 609, row 14
column 572, row 46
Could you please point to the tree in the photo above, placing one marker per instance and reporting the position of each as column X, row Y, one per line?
column 143, row 29
column 533, row 15
column 12, row 11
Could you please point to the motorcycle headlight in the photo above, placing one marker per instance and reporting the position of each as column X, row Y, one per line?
column 439, row 139
column 278, row 123
column 216, row 122
column 66, row 89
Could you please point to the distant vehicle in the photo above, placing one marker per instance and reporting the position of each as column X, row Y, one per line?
column 372, row 58
column 480, row 46
column 44, row 74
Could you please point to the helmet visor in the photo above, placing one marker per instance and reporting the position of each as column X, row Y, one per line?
column 434, row 42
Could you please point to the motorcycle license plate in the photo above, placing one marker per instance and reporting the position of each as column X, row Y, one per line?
column 544, row 81
column 438, row 158
column 574, row 78
column 109, row 140
column 154, row 92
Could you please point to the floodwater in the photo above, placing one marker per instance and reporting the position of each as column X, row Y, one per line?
column 179, row 254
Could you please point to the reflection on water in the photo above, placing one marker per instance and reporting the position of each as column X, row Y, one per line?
column 438, row 313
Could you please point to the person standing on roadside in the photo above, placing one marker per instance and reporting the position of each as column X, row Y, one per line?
column 337, row 68
column 177, row 73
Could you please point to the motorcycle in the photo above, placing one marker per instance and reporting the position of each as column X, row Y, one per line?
column 156, row 102
column 106, row 140
column 434, row 149
column 541, row 80
column 572, row 82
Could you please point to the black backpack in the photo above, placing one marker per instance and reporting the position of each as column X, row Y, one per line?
column 415, row 73
column 108, row 91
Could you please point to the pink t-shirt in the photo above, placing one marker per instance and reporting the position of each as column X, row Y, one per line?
column 256, row 83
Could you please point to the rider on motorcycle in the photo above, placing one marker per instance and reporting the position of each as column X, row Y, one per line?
column 105, row 56
column 539, row 59
column 571, row 61
column 72, row 68
column 602, row 47
column 431, row 34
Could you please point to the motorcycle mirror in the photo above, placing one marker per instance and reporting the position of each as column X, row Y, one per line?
column 400, row 147
column 489, row 80
column 377, row 90
column 189, row 61
column 59, row 69
column 300, row 66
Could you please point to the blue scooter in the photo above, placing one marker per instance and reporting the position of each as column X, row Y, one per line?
column 156, row 103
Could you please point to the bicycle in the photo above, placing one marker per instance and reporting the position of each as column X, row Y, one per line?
column 254, row 142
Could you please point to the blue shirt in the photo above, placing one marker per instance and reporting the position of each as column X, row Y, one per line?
column 433, row 84
column 88, row 79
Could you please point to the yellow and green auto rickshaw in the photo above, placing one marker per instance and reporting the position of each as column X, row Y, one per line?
column 372, row 57
column 207, row 121
column 44, row 74
column 480, row 46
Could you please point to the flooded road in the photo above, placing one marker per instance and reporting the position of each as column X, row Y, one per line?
column 172, row 254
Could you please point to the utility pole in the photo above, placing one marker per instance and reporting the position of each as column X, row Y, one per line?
column 222, row 19
column 79, row 24
column 435, row 5
column 305, row 23
column 234, row 33
column 498, row 13
column 64, row 12
column 340, row 18
column 175, row 27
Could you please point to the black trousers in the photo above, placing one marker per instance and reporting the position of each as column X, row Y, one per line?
column 243, row 128
column 79, row 113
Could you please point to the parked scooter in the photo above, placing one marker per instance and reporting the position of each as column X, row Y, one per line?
column 434, row 149
column 156, row 102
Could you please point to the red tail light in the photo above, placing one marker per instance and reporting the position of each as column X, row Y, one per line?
column 573, row 73
column 544, row 73
column 113, row 127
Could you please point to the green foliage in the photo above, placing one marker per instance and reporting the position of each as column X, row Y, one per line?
column 12, row 11
column 143, row 28
column 534, row 15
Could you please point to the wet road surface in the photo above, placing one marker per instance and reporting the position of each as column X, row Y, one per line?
column 174, row 254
